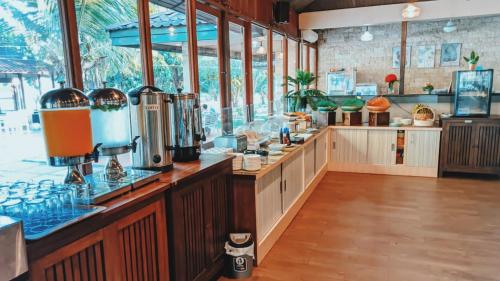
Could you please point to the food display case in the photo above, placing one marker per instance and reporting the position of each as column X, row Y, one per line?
column 472, row 90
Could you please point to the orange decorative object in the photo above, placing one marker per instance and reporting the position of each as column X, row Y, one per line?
column 378, row 104
column 67, row 132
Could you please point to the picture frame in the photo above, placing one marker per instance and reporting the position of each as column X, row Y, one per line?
column 426, row 56
column 366, row 89
column 396, row 57
column 450, row 54
column 340, row 82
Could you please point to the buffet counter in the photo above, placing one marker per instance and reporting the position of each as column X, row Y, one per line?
column 268, row 199
column 129, row 237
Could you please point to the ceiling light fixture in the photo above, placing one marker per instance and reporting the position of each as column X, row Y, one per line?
column 411, row 11
column 450, row 27
column 261, row 50
column 366, row 36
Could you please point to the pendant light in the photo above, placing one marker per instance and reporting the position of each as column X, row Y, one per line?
column 261, row 50
column 411, row 11
column 366, row 36
column 450, row 27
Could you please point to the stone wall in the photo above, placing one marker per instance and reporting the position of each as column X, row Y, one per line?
column 342, row 48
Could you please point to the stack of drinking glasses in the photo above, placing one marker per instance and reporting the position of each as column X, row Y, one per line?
column 43, row 205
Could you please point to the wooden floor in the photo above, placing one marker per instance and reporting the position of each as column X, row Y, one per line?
column 376, row 227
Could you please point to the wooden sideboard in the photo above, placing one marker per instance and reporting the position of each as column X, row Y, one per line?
column 470, row 145
column 171, row 229
column 364, row 149
column 265, row 202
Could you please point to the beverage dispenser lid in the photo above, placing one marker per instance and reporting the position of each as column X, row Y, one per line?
column 135, row 94
column 107, row 97
column 64, row 98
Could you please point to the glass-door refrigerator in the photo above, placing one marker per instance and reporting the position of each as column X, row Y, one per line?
column 472, row 93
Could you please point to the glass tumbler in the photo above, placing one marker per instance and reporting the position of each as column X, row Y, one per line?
column 13, row 208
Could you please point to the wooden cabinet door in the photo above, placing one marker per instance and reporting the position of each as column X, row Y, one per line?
column 349, row 145
column 83, row 259
column 487, row 147
column 293, row 180
column 422, row 149
column 321, row 152
column 142, row 244
column 381, row 147
column 188, row 231
column 216, row 217
column 268, row 201
column 199, row 226
column 309, row 163
column 458, row 140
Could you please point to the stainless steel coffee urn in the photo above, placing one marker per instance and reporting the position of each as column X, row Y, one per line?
column 150, row 120
column 187, row 132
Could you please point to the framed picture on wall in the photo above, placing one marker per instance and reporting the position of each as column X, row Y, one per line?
column 396, row 57
column 366, row 89
column 340, row 82
column 425, row 56
column 450, row 54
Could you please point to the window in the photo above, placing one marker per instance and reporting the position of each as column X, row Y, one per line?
column 312, row 63
column 304, row 49
column 236, row 49
column 293, row 48
column 278, row 73
column 260, row 72
column 109, row 43
column 31, row 63
column 169, row 39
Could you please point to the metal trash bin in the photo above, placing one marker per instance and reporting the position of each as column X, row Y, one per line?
column 239, row 255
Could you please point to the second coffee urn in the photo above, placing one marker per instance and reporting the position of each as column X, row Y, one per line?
column 187, row 131
column 150, row 119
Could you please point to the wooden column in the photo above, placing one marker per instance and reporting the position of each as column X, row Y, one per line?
column 248, row 70
column 402, row 65
column 193, row 45
column 145, row 41
column 270, row 74
column 70, row 43
column 225, row 74
column 285, row 73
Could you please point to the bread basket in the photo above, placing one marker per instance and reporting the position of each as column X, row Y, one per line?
column 424, row 116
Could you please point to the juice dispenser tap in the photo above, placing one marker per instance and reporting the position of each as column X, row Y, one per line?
column 66, row 125
column 111, row 127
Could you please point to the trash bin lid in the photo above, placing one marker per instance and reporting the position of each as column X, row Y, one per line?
column 240, row 240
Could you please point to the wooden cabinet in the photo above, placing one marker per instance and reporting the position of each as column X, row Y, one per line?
column 471, row 145
column 381, row 147
column 422, row 148
column 321, row 152
column 198, row 213
column 132, row 248
column 266, row 202
column 269, row 202
column 293, row 180
column 377, row 150
column 309, row 162
column 349, row 145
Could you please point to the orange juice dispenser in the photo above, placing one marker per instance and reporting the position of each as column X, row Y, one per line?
column 65, row 116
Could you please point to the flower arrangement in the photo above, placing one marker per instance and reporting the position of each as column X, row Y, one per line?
column 428, row 87
column 391, row 79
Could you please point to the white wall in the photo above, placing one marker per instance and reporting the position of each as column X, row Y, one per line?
column 432, row 10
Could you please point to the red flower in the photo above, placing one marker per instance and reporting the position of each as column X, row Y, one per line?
column 391, row 78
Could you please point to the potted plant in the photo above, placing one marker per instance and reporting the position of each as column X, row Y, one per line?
column 391, row 80
column 428, row 88
column 300, row 94
column 327, row 109
column 472, row 60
